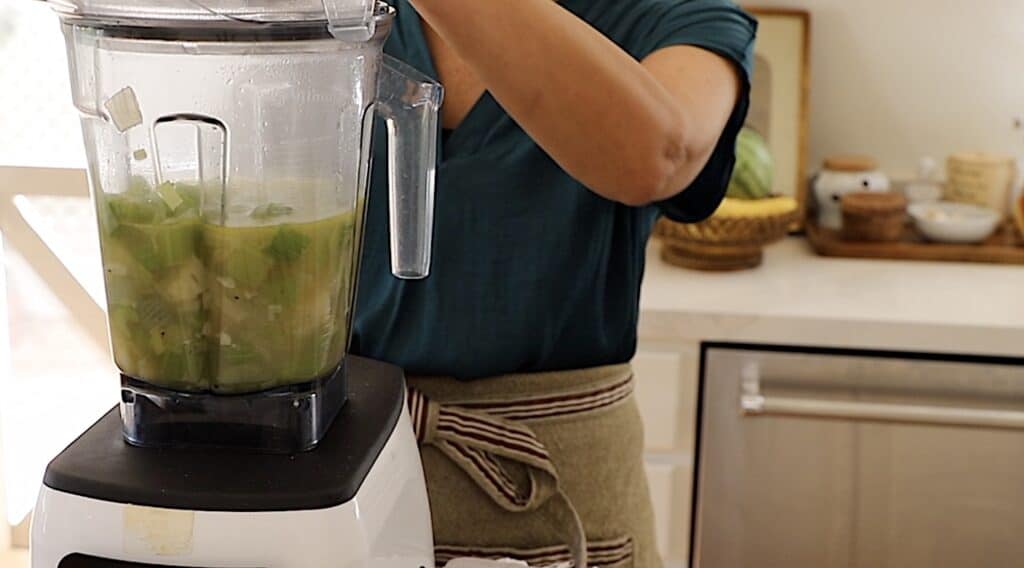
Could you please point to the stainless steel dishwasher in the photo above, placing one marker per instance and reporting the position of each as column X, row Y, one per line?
column 855, row 460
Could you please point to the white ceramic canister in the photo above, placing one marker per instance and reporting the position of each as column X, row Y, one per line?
column 839, row 176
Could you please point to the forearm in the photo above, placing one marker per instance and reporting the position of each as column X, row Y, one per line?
column 598, row 112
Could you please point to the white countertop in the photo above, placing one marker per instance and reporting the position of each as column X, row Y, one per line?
column 799, row 298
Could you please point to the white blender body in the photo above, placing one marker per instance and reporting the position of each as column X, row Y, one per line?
column 386, row 525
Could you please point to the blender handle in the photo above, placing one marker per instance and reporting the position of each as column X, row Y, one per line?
column 409, row 101
column 351, row 20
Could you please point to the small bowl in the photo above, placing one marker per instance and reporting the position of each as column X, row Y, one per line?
column 948, row 222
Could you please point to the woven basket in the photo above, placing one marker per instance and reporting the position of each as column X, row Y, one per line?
column 722, row 243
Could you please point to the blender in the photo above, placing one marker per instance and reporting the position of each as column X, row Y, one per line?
column 228, row 146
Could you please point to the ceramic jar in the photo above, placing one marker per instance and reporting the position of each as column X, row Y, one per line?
column 877, row 216
column 842, row 175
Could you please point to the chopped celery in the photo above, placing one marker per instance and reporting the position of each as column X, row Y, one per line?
column 154, row 312
column 199, row 306
column 107, row 220
column 185, row 283
column 189, row 195
column 172, row 364
column 123, row 109
column 170, row 196
column 271, row 211
column 156, row 340
column 129, row 208
column 281, row 288
column 247, row 267
column 138, row 186
column 287, row 244
column 159, row 247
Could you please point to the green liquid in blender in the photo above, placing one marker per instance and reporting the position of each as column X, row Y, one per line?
column 199, row 306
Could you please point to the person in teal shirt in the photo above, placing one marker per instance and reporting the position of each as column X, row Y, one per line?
column 569, row 128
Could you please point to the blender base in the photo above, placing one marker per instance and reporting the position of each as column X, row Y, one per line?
column 288, row 419
column 359, row 500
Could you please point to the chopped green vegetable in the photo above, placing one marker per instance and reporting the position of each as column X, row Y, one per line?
column 189, row 195
column 123, row 109
column 170, row 196
column 160, row 247
column 199, row 306
column 287, row 244
column 248, row 268
column 271, row 211
column 281, row 288
column 185, row 283
column 129, row 208
column 107, row 220
column 138, row 186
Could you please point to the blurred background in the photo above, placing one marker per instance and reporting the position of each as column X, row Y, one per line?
column 56, row 370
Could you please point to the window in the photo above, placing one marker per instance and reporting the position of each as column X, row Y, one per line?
column 38, row 124
column 56, row 376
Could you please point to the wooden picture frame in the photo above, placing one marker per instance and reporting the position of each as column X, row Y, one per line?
column 780, row 96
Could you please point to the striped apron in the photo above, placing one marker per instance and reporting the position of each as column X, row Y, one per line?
column 546, row 468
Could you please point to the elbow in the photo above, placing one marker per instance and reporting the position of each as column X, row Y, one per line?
column 657, row 173
column 641, row 192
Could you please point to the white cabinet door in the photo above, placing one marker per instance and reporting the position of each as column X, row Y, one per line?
column 670, row 492
column 666, row 390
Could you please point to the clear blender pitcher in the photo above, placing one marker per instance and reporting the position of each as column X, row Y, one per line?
column 228, row 144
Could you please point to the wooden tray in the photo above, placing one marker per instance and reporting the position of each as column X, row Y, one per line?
column 1004, row 247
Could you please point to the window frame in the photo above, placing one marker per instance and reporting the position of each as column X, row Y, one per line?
column 18, row 234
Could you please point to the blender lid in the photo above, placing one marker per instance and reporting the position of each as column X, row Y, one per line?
column 347, row 19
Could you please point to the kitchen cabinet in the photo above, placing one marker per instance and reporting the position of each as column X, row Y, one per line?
column 670, row 493
column 666, row 381
column 666, row 391
column 852, row 459
column 797, row 299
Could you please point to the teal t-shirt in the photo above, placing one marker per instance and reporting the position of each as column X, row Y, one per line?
column 531, row 270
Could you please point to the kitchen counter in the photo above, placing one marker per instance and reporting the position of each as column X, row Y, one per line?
column 799, row 298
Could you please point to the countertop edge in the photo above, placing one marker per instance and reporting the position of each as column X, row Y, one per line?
column 660, row 326
column 797, row 298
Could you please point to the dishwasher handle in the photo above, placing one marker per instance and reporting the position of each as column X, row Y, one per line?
column 754, row 403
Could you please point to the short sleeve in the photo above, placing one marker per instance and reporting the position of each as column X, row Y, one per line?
column 722, row 28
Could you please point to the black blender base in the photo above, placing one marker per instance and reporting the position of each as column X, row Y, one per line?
column 285, row 420
column 85, row 561
column 100, row 465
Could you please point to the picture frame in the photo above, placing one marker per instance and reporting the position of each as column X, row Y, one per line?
column 780, row 97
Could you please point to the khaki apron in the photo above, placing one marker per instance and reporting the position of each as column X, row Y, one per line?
column 545, row 468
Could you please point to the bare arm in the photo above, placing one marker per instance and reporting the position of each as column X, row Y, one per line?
column 634, row 132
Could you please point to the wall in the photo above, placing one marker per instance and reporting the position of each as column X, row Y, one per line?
column 901, row 79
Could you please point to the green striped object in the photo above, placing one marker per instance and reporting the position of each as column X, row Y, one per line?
column 752, row 178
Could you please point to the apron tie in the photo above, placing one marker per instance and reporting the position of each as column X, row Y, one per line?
column 504, row 457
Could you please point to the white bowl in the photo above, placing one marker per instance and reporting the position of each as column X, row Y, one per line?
column 948, row 222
